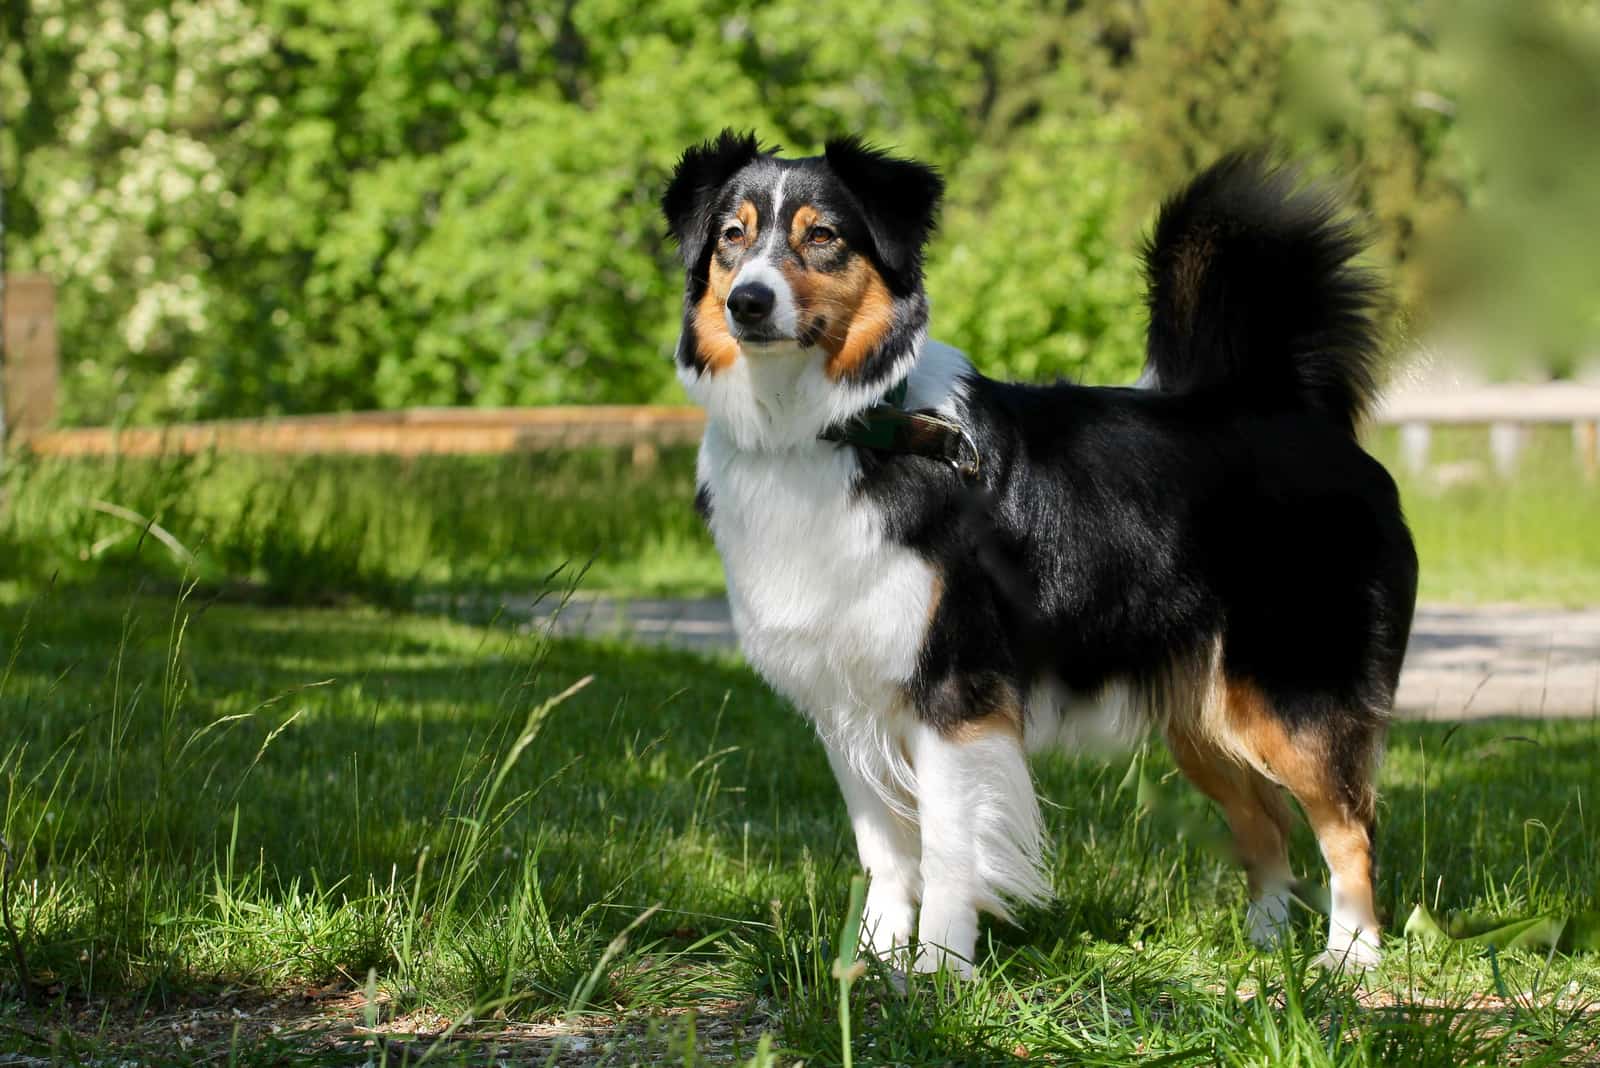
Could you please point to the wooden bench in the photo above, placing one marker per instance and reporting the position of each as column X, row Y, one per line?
column 1509, row 411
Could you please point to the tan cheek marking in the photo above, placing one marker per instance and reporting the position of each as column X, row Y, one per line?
column 867, row 326
column 854, row 308
column 718, row 350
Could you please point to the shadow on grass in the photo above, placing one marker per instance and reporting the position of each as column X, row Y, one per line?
column 322, row 747
column 402, row 708
column 177, row 769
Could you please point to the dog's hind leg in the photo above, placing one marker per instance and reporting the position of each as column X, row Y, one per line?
column 888, row 845
column 1328, row 766
column 981, row 835
column 1258, row 816
column 1345, row 833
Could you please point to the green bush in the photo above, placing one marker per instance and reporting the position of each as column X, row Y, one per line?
column 1052, row 300
column 308, row 205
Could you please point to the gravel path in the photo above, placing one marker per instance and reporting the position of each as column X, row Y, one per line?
column 1464, row 661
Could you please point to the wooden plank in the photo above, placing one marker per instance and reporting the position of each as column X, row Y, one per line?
column 1586, row 445
column 1546, row 402
column 408, row 432
column 643, row 428
column 32, row 364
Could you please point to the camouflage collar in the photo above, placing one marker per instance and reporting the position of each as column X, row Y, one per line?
column 888, row 427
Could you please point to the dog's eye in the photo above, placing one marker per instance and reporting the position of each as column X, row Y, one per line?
column 821, row 235
column 733, row 235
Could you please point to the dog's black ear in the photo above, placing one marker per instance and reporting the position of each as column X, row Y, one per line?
column 692, row 193
column 900, row 198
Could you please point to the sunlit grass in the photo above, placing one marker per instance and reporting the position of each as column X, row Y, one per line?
column 207, row 795
column 208, row 789
column 385, row 529
column 1531, row 537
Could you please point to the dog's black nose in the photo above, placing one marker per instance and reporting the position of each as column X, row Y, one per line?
column 751, row 302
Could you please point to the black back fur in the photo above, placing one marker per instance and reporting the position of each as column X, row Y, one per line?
column 1114, row 532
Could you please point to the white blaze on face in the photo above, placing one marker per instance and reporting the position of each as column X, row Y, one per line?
column 762, row 267
column 785, row 320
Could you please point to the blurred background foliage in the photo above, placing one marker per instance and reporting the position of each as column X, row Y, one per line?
column 314, row 205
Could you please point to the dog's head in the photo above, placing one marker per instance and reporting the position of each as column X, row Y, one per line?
column 812, row 265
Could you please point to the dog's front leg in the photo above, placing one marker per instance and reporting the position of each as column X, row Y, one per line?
column 887, row 844
column 981, row 839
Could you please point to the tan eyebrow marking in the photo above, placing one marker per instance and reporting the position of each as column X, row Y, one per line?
column 747, row 218
column 804, row 219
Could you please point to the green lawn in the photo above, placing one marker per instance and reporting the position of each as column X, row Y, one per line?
column 281, row 778
column 208, row 800
column 384, row 529
column 1533, row 538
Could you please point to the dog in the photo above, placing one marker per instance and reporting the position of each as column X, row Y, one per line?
column 945, row 572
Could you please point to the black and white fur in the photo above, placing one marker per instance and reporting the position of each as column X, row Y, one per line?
column 1212, row 556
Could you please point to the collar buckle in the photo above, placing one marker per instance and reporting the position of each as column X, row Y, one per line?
column 967, row 468
column 962, row 454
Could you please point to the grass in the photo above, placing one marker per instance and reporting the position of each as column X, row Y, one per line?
column 409, row 532
column 385, row 529
column 268, row 812
column 601, row 854
column 1483, row 538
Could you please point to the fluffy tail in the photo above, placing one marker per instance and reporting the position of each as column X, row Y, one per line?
column 1252, row 294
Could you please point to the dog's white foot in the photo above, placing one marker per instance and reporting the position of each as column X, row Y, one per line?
column 937, row 958
column 947, row 937
column 1268, row 918
column 1351, row 951
column 887, row 923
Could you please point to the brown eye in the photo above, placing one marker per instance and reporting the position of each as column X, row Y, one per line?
column 821, row 235
column 733, row 235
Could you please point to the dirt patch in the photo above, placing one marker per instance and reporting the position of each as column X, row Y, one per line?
column 336, row 1025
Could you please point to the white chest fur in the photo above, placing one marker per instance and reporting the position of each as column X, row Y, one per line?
column 828, row 609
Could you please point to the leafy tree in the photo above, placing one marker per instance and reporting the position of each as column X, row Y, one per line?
column 130, row 113
column 302, row 205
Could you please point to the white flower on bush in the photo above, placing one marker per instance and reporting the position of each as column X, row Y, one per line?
column 164, row 307
column 180, row 385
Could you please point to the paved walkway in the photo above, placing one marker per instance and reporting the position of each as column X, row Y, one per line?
column 1464, row 662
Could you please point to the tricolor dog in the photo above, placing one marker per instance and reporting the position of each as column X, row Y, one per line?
column 945, row 572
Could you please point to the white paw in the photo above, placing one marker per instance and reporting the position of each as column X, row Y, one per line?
column 947, row 935
column 1351, row 953
column 1268, row 919
column 886, row 927
column 936, row 958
